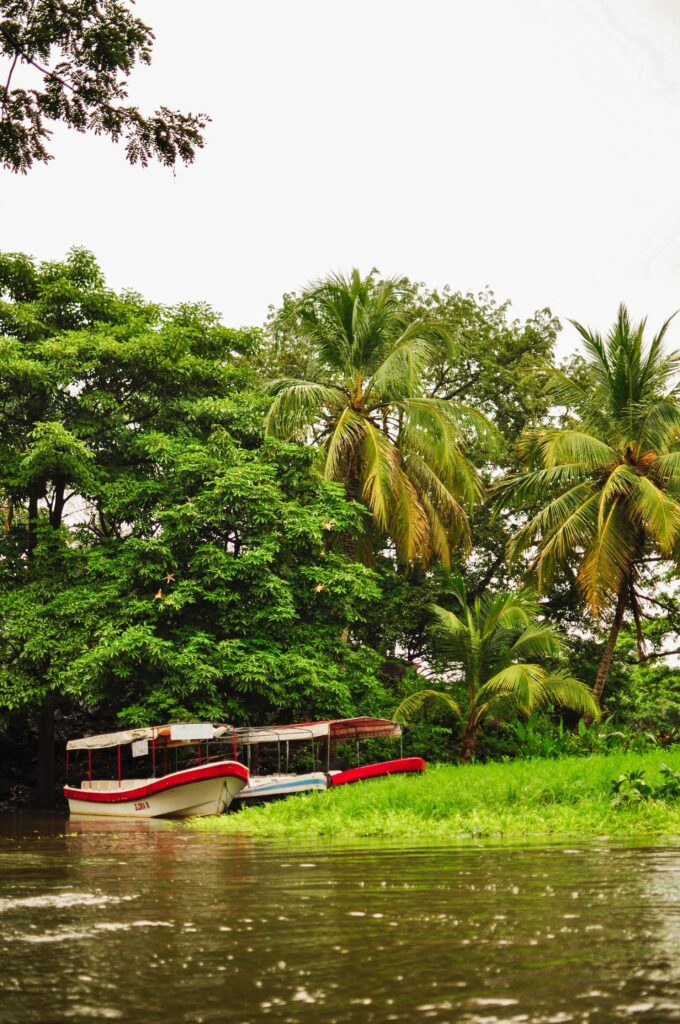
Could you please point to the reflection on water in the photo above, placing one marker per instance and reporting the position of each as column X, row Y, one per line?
column 148, row 921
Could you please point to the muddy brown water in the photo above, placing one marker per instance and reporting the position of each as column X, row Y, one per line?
column 151, row 922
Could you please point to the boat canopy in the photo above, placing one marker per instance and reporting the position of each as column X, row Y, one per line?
column 180, row 733
column 175, row 735
column 337, row 729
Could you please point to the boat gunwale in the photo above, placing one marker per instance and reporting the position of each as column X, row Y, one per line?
column 200, row 773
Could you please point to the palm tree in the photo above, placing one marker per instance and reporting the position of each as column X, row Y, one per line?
column 608, row 485
column 488, row 647
column 364, row 403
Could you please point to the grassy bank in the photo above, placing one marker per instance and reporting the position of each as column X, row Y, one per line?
column 568, row 797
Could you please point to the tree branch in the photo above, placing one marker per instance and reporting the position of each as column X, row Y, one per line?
column 653, row 600
column 663, row 654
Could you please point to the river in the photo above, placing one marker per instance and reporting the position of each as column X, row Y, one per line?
column 151, row 922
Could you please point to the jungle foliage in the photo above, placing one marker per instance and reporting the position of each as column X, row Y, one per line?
column 256, row 524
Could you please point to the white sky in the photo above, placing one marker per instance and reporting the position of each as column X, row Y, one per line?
column 531, row 145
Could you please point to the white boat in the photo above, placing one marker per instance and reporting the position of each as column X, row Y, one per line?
column 323, row 738
column 206, row 786
column 263, row 788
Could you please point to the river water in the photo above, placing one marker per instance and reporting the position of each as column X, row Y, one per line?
column 151, row 922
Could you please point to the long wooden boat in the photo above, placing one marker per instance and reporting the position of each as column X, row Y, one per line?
column 323, row 738
column 206, row 786
column 399, row 766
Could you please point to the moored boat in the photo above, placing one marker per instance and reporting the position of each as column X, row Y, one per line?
column 206, row 784
column 323, row 739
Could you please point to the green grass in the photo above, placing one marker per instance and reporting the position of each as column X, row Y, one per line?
column 567, row 797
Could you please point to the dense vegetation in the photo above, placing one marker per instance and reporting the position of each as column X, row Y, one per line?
column 569, row 797
column 257, row 524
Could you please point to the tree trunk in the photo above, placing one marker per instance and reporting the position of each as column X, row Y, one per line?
column 57, row 510
column 468, row 743
column 32, row 522
column 46, row 774
column 608, row 654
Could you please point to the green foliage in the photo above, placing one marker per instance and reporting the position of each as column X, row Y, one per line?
column 364, row 402
column 161, row 557
column 566, row 799
column 631, row 786
column 73, row 61
column 161, row 560
column 485, row 646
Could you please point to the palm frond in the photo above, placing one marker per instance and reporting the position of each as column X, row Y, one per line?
column 564, row 523
column 409, row 523
column 666, row 469
column 608, row 560
column 522, row 683
column 379, row 464
column 415, row 702
column 538, row 640
column 575, row 446
column 656, row 511
column 567, row 692
column 298, row 404
column 344, row 440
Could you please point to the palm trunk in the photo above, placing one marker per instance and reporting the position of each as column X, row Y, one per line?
column 608, row 653
column 637, row 615
column 468, row 743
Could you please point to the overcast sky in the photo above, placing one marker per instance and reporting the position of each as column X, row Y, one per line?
column 529, row 145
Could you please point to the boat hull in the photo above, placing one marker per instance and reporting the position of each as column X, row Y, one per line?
column 203, row 790
column 400, row 766
column 276, row 787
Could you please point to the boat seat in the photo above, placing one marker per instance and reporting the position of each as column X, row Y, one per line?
column 111, row 785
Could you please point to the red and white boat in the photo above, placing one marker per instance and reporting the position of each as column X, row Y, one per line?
column 206, row 783
column 323, row 739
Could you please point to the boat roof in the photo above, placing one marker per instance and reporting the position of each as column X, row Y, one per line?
column 175, row 735
column 179, row 733
column 338, row 728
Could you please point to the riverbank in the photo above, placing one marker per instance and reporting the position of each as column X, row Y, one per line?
column 566, row 797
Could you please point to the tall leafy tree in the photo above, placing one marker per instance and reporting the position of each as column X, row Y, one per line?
column 68, row 62
column 493, row 651
column 82, row 373
column 159, row 558
column 364, row 403
column 222, row 599
column 603, row 492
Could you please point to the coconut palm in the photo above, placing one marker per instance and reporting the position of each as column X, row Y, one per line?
column 488, row 648
column 607, row 486
column 364, row 403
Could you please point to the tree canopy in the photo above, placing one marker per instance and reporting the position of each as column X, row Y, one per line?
column 364, row 404
column 497, row 652
column 606, row 487
column 69, row 63
column 181, row 539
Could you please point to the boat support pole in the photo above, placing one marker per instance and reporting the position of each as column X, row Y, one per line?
column 119, row 765
column 89, row 766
